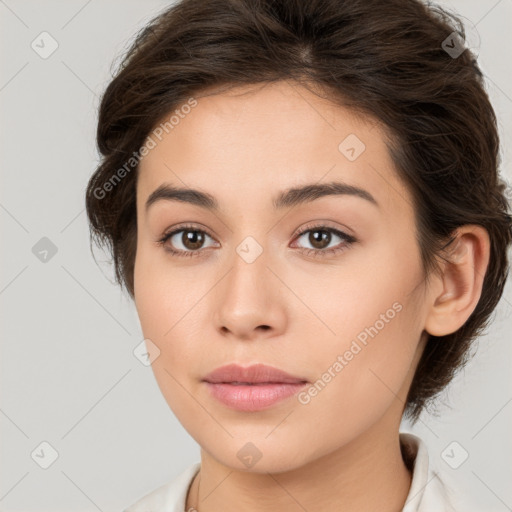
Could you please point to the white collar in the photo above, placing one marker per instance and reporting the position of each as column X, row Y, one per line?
column 427, row 492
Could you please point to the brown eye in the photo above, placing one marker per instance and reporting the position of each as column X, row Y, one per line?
column 320, row 238
column 192, row 240
column 185, row 241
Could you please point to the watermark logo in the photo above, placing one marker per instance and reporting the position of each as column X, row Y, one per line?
column 456, row 43
column 44, row 45
column 352, row 147
column 249, row 454
column 44, row 455
column 454, row 455
column 44, row 250
column 249, row 249
column 146, row 352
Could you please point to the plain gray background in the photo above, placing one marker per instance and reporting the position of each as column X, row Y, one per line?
column 69, row 377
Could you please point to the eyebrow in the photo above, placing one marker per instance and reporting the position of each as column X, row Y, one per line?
column 286, row 199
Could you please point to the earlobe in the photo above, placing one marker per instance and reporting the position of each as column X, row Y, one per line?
column 461, row 281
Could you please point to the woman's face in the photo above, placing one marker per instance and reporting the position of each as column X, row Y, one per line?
column 327, row 287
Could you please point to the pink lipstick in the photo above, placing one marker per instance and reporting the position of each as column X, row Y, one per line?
column 253, row 388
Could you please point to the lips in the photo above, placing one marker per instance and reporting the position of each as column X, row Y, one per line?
column 256, row 374
column 252, row 389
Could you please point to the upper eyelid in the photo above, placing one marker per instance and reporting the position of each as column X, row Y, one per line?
column 186, row 227
column 323, row 225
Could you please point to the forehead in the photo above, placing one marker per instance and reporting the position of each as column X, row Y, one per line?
column 243, row 142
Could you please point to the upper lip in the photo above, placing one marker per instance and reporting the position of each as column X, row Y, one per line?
column 257, row 373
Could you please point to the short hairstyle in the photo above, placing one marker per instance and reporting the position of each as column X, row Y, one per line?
column 385, row 60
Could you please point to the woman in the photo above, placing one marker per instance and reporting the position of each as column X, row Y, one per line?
column 303, row 201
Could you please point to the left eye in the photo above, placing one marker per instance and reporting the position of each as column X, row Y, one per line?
column 320, row 237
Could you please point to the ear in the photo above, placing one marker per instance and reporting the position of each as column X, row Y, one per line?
column 457, row 290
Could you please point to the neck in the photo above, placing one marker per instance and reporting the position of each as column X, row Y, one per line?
column 364, row 475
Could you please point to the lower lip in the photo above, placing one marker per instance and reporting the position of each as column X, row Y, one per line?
column 253, row 398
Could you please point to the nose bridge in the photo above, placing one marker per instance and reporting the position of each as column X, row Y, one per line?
column 246, row 299
column 249, row 271
column 251, row 242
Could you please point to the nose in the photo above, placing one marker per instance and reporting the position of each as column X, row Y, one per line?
column 249, row 302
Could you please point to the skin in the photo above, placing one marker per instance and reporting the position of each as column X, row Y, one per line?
column 341, row 450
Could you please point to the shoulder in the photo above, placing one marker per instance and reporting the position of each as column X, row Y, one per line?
column 170, row 497
column 430, row 488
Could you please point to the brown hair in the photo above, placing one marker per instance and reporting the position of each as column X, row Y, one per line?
column 382, row 59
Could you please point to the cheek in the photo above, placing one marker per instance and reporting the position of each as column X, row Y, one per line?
column 162, row 304
column 360, row 373
column 158, row 290
column 374, row 325
column 153, row 300
column 168, row 302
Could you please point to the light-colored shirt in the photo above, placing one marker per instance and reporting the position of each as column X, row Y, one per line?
column 428, row 492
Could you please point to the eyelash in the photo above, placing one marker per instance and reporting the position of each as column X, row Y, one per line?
column 348, row 240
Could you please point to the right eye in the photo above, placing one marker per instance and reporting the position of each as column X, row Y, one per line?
column 190, row 238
